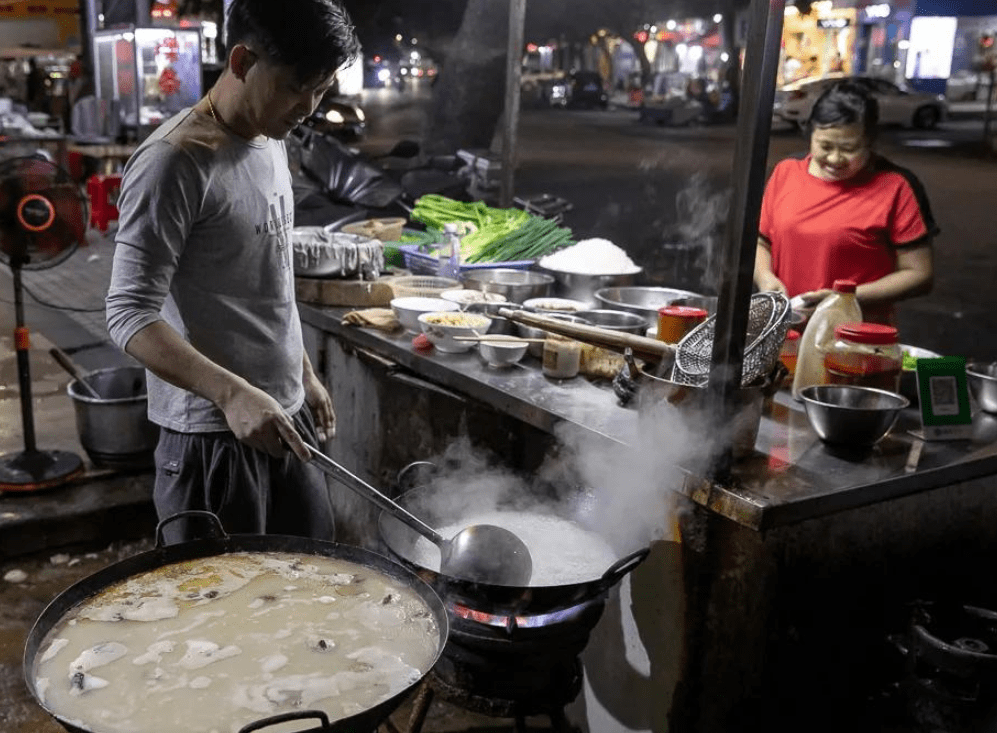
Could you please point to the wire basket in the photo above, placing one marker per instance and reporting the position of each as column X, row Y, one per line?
column 406, row 286
column 767, row 327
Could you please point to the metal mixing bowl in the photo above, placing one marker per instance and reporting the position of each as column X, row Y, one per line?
column 645, row 301
column 616, row 320
column 515, row 285
column 983, row 382
column 853, row 416
column 583, row 286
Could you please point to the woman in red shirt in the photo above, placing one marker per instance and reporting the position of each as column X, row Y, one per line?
column 845, row 213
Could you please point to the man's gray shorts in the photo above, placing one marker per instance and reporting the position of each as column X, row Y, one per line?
column 250, row 491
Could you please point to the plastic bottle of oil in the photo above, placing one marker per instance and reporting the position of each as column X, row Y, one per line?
column 839, row 307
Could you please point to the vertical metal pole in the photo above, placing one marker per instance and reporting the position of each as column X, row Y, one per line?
column 738, row 258
column 21, row 347
column 513, row 80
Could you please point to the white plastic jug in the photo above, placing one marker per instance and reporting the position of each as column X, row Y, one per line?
column 839, row 307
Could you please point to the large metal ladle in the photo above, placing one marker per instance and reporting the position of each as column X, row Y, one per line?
column 482, row 553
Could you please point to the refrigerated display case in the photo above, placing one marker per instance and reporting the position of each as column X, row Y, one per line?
column 152, row 73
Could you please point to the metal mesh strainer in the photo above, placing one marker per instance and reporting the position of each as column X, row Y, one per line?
column 767, row 326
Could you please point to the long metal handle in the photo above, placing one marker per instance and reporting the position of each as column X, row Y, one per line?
column 66, row 363
column 357, row 484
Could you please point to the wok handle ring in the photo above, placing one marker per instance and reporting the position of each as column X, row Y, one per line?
column 285, row 717
column 618, row 570
column 215, row 529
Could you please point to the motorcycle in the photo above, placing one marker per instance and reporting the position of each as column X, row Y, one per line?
column 337, row 185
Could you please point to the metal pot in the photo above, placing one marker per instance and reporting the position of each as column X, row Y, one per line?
column 217, row 543
column 426, row 503
column 115, row 430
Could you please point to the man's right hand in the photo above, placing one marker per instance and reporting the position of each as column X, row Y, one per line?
column 257, row 420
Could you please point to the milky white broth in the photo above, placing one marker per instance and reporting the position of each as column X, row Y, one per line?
column 213, row 644
column 563, row 552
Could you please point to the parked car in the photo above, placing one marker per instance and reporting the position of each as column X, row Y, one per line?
column 579, row 89
column 898, row 104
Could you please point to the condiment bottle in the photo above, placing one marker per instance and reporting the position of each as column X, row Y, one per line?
column 841, row 306
column 449, row 255
column 675, row 321
column 864, row 355
column 562, row 357
column 790, row 351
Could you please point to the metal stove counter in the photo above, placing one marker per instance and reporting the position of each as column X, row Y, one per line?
column 792, row 476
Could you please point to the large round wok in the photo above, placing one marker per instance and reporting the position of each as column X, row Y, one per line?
column 426, row 501
column 216, row 543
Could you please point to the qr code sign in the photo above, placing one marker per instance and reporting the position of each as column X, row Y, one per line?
column 944, row 395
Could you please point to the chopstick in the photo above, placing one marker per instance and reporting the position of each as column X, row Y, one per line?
column 499, row 338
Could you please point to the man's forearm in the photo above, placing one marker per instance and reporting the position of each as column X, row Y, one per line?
column 161, row 350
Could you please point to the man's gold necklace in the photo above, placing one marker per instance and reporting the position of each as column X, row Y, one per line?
column 216, row 117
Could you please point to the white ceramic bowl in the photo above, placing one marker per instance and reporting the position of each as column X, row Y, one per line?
column 442, row 327
column 407, row 310
column 502, row 353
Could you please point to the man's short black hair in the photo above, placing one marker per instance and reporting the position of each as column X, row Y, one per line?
column 846, row 103
column 314, row 37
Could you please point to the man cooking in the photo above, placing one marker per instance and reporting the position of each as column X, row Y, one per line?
column 202, row 288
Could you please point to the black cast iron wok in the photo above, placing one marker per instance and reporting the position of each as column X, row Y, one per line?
column 426, row 501
column 216, row 543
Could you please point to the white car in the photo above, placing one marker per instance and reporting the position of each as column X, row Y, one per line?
column 898, row 105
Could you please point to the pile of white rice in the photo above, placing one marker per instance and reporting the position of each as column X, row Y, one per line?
column 590, row 257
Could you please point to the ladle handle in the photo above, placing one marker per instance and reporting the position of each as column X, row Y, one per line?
column 357, row 484
column 64, row 361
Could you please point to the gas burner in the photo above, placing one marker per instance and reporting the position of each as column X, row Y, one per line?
column 512, row 622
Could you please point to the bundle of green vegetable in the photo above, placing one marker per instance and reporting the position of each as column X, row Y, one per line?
column 491, row 234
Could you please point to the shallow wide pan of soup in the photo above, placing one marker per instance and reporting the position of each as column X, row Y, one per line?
column 216, row 643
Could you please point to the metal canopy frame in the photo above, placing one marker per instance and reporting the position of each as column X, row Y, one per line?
column 754, row 125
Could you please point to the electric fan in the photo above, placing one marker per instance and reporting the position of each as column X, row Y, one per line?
column 43, row 219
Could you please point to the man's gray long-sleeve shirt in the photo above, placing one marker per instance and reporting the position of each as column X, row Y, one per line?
column 203, row 243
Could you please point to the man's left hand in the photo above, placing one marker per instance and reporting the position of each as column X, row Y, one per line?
column 318, row 399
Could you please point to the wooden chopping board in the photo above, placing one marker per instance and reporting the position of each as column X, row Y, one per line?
column 353, row 293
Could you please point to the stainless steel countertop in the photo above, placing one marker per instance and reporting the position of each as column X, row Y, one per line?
column 791, row 476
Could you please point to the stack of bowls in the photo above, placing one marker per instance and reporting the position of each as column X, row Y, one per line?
column 408, row 309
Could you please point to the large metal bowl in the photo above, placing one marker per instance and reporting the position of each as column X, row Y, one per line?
column 583, row 286
column 858, row 417
column 616, row 320
column 516, row 285
column 645, row 301
column 983, row 382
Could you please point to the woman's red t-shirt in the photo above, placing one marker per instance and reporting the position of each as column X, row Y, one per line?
column 822, row 231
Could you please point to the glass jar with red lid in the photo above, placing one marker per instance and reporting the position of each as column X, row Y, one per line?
column 865, row 355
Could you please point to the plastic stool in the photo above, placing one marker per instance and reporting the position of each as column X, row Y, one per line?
column 103, row 193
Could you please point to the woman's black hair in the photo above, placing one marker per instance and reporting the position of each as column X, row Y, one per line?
column 314, row 37
column 846, row 103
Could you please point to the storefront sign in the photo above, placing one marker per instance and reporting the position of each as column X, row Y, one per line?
column 833, row 23
column 878, row 12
